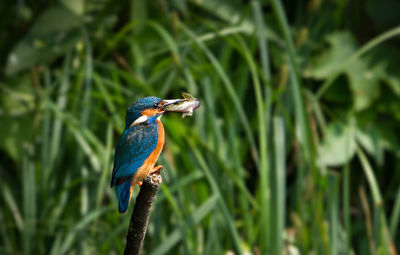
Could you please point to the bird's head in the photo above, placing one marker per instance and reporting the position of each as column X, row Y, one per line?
column 147, row 110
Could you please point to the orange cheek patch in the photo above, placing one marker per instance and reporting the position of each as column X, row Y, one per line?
column 150, row 112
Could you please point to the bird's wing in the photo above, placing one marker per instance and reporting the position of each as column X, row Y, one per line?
column 133, row 148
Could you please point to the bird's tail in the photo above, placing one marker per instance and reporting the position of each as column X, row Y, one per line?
column 123, row 191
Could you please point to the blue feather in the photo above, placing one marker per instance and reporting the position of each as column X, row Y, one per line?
column 123, row 194
column 134, row 147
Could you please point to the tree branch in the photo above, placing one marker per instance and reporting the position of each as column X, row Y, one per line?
column 141, row 212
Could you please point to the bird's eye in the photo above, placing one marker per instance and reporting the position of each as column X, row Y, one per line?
column 155, row 105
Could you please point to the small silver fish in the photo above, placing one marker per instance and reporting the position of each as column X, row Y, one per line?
column 186, row 105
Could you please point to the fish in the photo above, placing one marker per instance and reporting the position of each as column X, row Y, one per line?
column 187, row 105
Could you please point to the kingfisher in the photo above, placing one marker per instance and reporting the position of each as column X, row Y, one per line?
column 141, row 143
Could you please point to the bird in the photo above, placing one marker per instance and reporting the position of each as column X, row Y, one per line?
column 141, row 143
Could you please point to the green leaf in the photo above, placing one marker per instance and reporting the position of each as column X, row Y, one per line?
column 362, row 74
column 342, row 45
column 338, row 145
column 53, row 33
column 372, row 142
column 15, row 132
column 364, row 82
column 75, row 6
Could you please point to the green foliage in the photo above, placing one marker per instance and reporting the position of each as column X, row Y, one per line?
column 46, row 39
column 339, row 144
column 294, row 148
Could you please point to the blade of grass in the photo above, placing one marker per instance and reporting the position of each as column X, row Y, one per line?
column 178, row 212
column 301, row 117
column 346, row 196
column 267, row 213
column 116, row 118
column 86, row 148
column 212, row 238
column 237, row 180
column 395, row 217
column 135, row 82
column 278, row 190
column 73, row 123
column 82, row 135
column 159, row 72
column 29, row 203
column 106, row 162
column 6, row 242
column 88, row 79
column 303, row 133
column 203, row 38
column 217, row 138
column 115, row 85
column 13, row 207
column 116, row 38
column 45, row 132
column 229, row 87
column 166, row 86
column 264, row 185
column 58, row 124
column 262, row 40
column 245, row 197
column 138, row 13
column 372, row 182
column 368, row 220
column 57, row 205
column 384, row 235
column 113, row 236
column 333, row 189
column 180, row 184
column 55, row 248
column 84, row 120
column 228, row 218
column 81, row 225
column 346, row 207
column 200, row 213
column 168, row 39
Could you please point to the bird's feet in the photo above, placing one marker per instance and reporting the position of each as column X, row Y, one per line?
column 157, row 169
column 155, row 175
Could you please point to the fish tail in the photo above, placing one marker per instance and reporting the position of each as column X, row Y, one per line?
column 123, row 191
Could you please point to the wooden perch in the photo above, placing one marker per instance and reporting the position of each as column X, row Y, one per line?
column 141, row 212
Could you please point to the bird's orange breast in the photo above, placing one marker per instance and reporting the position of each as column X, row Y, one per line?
column 149, row 163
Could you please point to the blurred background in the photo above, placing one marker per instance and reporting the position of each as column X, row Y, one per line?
column 295, row 149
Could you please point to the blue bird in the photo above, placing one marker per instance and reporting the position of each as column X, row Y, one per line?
column 140, row 145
